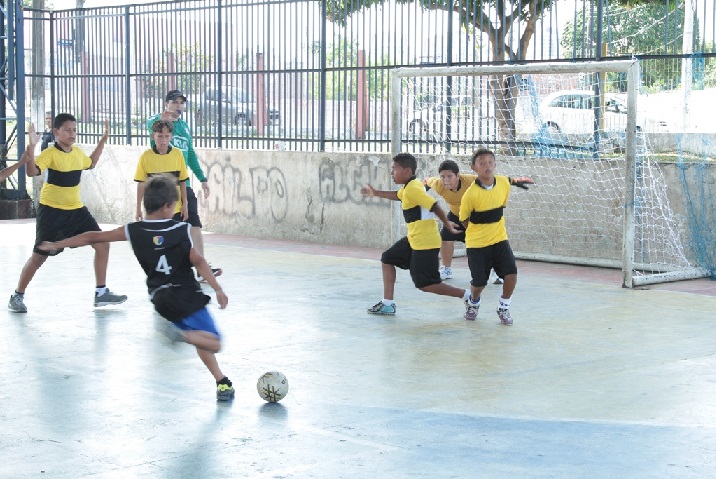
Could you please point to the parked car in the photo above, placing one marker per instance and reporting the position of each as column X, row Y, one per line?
column 237, row 107
column 572, row 112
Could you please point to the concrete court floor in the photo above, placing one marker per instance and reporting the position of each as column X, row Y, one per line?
column 592, row 381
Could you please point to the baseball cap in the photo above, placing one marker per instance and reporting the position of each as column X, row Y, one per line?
column 174, row 94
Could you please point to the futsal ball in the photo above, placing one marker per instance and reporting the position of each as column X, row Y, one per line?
column 272, row 386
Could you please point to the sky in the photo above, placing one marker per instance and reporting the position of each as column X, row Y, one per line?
column 67, row 4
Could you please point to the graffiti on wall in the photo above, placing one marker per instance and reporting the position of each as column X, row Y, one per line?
column 340, row 182
column 250, row 192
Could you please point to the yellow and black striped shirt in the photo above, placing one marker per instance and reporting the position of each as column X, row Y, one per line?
column 452, row 198
column 64, row 170
column 422, row 224
column 152, row 162
column 484, row 210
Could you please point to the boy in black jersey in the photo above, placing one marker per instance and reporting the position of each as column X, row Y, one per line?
column 165, row 251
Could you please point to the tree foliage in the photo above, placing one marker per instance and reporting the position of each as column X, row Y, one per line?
column 189, row 59
column 494, row 18
column 644, row 29
column 342, row 84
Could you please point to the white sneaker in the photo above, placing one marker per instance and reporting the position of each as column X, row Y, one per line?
column 445, row 272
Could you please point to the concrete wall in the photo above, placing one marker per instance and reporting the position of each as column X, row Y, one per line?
column 266, row 194
column 316, row 197
column 699, row 144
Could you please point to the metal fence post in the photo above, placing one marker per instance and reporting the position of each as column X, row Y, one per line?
column 127, row 79
column 18, row 40
column 219, row 83
column 322, row 98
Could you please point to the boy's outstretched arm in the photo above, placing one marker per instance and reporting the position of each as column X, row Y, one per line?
column 100, row 146
column 28, row 157
column 84, row 239
column 205, row 271
column 521, row 181
column 370, row 191
column 5, row 174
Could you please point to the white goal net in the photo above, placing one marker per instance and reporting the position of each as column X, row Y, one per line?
column 580, row 131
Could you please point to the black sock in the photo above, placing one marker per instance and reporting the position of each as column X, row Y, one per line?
column 224, row 380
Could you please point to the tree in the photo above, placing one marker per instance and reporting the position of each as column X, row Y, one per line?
column 633, row 30
column 496, row 19
column 189, row 59
column 341, row 84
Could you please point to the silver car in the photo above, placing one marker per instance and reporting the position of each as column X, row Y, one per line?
column 237, row 107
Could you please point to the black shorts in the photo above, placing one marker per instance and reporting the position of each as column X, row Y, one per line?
column 178, row 302
column 446, row 235
column 193, row 218
column 54, row 224
column 423, row 264
column 497, row 256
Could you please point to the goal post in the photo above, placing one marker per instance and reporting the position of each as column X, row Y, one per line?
column 579, row 130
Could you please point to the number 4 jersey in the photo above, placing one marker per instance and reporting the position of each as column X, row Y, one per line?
column 162, row 248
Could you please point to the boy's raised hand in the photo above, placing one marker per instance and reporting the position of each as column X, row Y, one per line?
column 32, row 136
column 106, row 130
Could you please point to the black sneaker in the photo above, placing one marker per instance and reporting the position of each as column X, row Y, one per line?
column 215, row 271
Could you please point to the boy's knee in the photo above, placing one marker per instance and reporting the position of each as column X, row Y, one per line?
column 101, row 247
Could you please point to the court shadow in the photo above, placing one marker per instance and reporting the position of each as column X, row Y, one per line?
column 273, row 411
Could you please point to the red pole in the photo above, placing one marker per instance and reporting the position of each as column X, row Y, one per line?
column 85, row 86
column 261, row 115
column 171, row 68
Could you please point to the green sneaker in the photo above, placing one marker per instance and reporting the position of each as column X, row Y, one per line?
column 224, row 392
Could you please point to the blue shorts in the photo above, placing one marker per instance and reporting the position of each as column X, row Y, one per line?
column 199, row 321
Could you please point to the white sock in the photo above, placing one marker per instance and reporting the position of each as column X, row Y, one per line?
column 100, row 291
column 466, row 295
column 388, row 302
column 505, row 303
column 474, row 303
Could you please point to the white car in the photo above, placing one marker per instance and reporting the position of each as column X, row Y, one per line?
column 573, row 112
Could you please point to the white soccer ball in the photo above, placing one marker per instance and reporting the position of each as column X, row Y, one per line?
column 272, row 386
